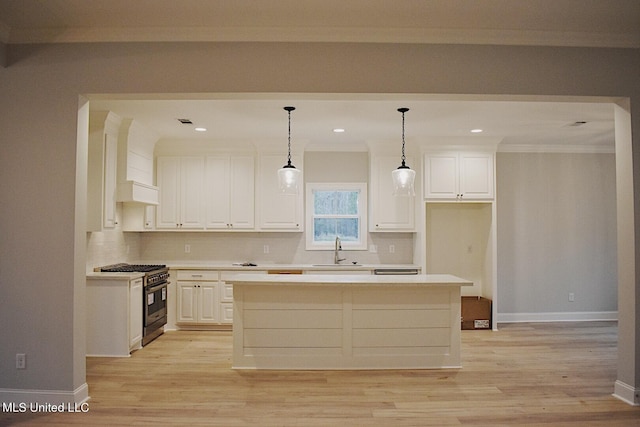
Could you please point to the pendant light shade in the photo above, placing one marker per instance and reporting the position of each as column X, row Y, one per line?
column 403, row 177
column 289, row 178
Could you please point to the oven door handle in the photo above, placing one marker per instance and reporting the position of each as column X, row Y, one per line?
column 156, row 287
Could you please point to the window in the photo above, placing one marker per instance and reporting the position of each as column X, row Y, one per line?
column 336, row 210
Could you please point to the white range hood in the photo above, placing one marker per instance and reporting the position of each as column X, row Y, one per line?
column 137, row 192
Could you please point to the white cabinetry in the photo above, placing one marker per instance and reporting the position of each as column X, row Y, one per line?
column 461, row 175
column 180, row 180
column 102, row 163
column 198, row 297
column 229, row 187
column 277, row 211
column 135, row 312
column 389, row 212
column 114, row 315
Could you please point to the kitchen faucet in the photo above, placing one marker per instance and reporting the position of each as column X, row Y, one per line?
column 336, row 254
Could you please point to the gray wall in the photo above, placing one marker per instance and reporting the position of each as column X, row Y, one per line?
column 556, row 233
column 43, row 165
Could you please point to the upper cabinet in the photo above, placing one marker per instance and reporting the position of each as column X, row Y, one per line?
column 214, row 192
column 463, row 175
column 277, row 211
column 388, row 212
column 102, row 163
column 229, row 192
column 180, row 180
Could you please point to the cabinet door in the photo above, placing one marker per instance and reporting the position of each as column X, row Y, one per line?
column 278, row 211
column 389, row 212
column 191, row 181
column 476, row 175
column 441, row 175
column 187, row 302
column 217, row 192
column 168, row 181
column 110, row 163
column 135, row 312
column 242, row 194
column 226, row 313
column 208, row 302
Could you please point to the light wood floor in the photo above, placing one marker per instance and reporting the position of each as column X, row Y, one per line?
column 526, row 374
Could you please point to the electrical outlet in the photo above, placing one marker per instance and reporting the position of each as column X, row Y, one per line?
column 265, row 249
column 392, row 249
column 572, row 297
column 21, row 361
column 187, row 249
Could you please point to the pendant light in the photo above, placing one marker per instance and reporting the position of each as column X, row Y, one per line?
column 404, row 176
column 288, row 176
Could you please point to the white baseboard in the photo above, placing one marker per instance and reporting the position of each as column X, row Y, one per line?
column 626, row 393
column 54, row 397
column 578, row 316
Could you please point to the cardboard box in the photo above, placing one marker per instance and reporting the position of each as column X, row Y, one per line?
column 476, row 313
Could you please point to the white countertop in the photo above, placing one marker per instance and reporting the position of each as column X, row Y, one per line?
column 348, row 279
column 204, row 265
column 229, row 266
column 98, row 275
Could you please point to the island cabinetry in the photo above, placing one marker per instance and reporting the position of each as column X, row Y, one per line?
column 346, row 322
column 114, row 315
column 102, row 169
column 229, row 192
column 277, row 211
column 180, row 181
column 459, row 176
column 388, row 212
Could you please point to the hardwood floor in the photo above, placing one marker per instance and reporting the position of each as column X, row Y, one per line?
column 558, row 374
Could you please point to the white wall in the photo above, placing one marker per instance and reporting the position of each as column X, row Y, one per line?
column 42, row 248
column 556, row 234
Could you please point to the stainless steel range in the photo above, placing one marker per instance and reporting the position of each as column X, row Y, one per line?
column 154, row 301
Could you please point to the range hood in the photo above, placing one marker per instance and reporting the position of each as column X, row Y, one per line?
column 137, row 192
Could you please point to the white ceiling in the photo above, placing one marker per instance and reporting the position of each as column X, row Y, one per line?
column 594, row 23
column 515, row 125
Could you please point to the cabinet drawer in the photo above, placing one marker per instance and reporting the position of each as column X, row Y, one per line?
column 200, row 275
column 226, row 292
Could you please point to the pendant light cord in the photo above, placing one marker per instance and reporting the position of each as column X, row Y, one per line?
column 403, row 110
column 289, row 141
column 289, row 165
column 403, row 156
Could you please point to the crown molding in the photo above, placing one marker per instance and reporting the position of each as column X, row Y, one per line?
column 556, row 148
column 315, row 34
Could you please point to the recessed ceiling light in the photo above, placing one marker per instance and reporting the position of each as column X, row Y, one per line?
column 338, row 130
column 476, row 130
column 200, row 129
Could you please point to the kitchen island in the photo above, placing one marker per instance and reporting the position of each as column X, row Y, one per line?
column 284, row 321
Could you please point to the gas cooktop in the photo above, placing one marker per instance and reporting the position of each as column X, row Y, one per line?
column 131, row 268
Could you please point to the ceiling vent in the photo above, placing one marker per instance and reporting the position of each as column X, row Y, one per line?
column 575, row 124
column 185, row 121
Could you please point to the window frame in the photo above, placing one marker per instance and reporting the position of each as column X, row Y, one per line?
column 361, row 188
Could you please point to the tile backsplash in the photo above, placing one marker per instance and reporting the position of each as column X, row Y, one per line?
column 281, row 248
column 110, row 247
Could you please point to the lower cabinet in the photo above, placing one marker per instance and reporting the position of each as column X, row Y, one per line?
column 114, row 316
column 203, row 299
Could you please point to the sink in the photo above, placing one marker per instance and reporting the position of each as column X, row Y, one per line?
column 336, row 265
